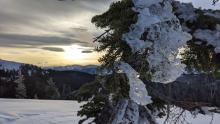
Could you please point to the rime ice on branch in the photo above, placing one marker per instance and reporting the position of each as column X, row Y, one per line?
column 138, row 92
column 128, row 112
column 185, row 11
column 158, row 30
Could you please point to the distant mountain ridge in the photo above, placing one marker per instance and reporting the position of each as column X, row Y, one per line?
column 90, row 69
column 10, row 65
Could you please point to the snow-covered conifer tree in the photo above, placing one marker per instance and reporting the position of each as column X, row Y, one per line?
column 52, row 89
column 20, row 89
column 143, row 42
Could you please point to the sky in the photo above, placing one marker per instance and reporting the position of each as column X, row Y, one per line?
column 52, row 32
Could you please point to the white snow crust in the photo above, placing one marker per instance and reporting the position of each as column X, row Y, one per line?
column 25, row 111
column 21, row 111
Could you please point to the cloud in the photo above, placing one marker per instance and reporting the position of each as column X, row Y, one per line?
column 54, row 49
column 35, row 41
column 87, row 51
column 48, row 22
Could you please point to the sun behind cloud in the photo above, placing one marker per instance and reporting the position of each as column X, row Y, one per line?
column 73, row 53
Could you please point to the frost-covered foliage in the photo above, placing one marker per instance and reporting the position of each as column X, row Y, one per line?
column 200, row 58
column 147, row 17
column 201, row 53
column 138, row 92
column 211, row 37
column 215, row 14
column 185, row 11
column 127, row 112
column 159, row 31
column 121, row 109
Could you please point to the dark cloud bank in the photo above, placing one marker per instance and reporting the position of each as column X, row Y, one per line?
column 54, row 49
column 33, row 16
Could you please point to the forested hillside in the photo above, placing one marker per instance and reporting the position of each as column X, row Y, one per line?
column 33, row 82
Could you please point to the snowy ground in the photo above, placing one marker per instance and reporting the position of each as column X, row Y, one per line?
column 13, row 111
column 188, row 118
column 38, row 112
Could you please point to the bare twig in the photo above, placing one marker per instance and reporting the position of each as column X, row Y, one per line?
column 215, row 1
column 106, row 31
